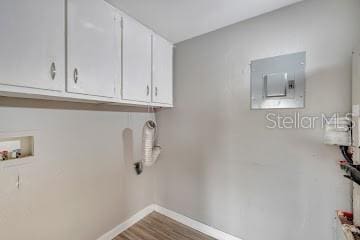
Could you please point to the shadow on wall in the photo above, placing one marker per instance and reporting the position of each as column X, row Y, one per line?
column 128, row 139
column 128, row 156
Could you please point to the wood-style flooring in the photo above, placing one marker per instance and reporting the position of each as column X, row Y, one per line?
column 159, row 227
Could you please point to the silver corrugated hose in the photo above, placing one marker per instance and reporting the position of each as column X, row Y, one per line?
column 150, row 151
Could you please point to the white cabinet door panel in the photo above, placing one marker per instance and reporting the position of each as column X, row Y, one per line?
column 136, row 84
column 162, row 71
column 93, row 48
column 32, row 43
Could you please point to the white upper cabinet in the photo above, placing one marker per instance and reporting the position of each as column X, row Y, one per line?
column 136, row 83
column 94, row 48
column 32, row 44
column 162, row 91
column 82, row 50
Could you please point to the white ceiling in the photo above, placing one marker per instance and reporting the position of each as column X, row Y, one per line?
column 178, row 20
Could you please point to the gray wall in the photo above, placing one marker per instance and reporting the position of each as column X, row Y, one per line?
column 82, row 183
column 220, row 165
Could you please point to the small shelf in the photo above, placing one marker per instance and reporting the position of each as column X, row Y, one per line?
column 16, row 149
column 17, row 162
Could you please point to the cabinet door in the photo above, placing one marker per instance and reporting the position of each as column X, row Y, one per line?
column 32, row 43
column 162, row 71
column 136, row 84
column 93, row 48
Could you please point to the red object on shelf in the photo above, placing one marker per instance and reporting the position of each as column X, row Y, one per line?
column 348, row 215
column 345, row 217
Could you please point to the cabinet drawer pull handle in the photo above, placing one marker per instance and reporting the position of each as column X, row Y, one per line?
column 76, row 75
column 156, row 91
column 53, row 71
column 147, row 90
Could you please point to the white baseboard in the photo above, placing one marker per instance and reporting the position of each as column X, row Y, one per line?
column 128, row 223
column 212, row 232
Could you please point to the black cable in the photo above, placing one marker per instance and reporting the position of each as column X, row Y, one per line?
column 344, row 151
column 354, row 174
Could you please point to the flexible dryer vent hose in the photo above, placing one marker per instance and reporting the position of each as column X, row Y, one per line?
column 150, row 151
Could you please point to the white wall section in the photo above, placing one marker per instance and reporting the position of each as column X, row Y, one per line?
column 220, row 165
column 82, row 182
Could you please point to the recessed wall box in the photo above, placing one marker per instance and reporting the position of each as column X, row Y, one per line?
column 278, row 82
column 16, row 149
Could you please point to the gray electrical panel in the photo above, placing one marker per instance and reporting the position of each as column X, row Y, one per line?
column 278, row 82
